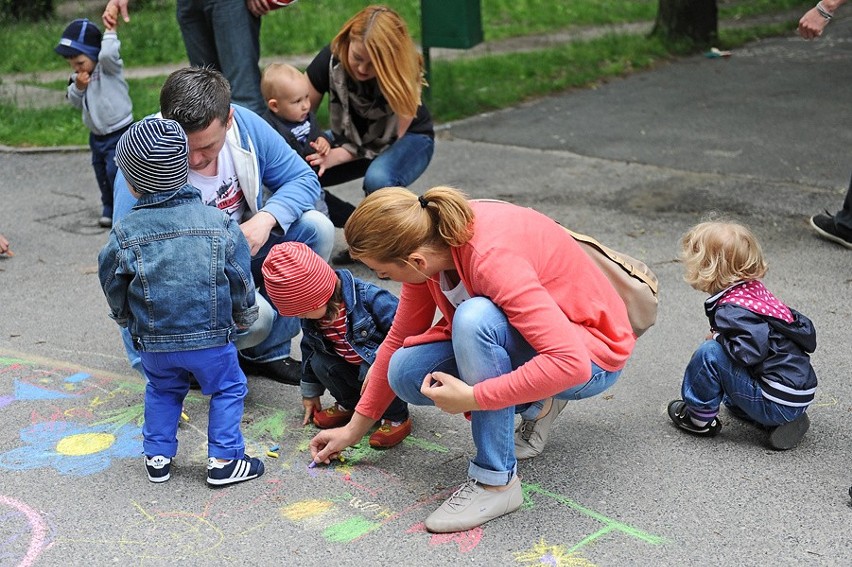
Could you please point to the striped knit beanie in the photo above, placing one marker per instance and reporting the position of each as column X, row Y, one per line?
column 297, row 280
column 152, row 155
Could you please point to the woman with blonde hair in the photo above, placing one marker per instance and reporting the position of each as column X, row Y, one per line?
column 528, row 322
column 381, row 130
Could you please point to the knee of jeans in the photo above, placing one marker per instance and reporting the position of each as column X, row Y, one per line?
column 321, row 240
column 378, row 177
column 709, row 350
column 471, row 315
column 400, row 383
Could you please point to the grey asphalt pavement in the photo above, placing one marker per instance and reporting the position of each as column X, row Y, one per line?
column 763, row 137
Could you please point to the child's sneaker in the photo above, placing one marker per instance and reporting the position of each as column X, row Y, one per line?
column 789, row 435
column 680, row 416
column 331, row 417
column 158, row 467
column 390, row 433
column 237, row 470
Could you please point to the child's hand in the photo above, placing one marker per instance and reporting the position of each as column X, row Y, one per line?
column 4, row 246
column 321, row 145
column 311, row 405
column 81, row 81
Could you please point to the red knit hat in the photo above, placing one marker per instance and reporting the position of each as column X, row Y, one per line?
column 297, row 279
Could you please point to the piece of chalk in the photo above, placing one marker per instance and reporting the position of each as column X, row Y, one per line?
column 312, row 465
column 274, row 448
column 272, row 454
column 184, row 416
column 341, row 458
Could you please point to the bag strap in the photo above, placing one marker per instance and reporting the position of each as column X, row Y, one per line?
column 617, row 258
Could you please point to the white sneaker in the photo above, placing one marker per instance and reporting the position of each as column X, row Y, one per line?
column 472, row 505
column 532, row 434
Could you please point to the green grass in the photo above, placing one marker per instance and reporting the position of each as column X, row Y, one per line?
column 461, row 87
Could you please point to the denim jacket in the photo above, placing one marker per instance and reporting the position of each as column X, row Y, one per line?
column 369, row 313
column 177, row 273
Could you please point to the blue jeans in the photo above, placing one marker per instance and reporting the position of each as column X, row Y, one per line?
column 268, row 339
column 398, row 166
column 223, row 34
column 484, row 346
column 343, row 381
column 712, row 377
column 103, row 162
column 220, row 377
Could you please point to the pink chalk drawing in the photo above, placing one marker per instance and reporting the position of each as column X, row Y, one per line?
column 35, row 527
column 466, row 541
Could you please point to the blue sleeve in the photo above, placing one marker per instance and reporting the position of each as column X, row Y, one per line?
column 310, row 385
column 744, row 335
column 238, row 272
column 293, row 185
column 115, row 276
column 122, row 200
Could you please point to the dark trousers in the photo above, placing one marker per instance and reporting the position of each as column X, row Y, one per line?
column 103, row 162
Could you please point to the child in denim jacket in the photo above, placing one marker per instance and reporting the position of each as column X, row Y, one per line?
column 755, row 360
column 177, row 274
column 344, row 320
column 97, row 88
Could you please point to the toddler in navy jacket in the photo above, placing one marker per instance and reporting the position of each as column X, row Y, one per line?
column 756, row 359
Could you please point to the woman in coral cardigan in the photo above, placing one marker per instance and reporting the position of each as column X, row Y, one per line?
column 528, row 323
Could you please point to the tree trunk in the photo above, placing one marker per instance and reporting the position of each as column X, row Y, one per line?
column 695, row 21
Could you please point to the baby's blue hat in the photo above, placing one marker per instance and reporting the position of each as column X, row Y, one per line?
column 81, row 36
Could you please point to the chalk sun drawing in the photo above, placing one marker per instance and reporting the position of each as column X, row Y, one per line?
column 543, row 553
column 73, row 448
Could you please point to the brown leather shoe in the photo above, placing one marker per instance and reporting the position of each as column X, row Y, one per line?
column 331, row 417
column 388, row 434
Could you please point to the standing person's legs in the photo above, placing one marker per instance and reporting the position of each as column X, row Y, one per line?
column 168, row 384
column 836, row 227
column 220, row 377
column 100, row 164
column 223, row 34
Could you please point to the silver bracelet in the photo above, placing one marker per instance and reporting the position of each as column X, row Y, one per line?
column 823, row 12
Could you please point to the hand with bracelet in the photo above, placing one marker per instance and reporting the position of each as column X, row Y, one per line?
column 814, row 21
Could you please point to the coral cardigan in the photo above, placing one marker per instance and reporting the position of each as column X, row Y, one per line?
column 551, row 293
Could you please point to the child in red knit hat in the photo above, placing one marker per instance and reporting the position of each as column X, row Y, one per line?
column 344, row 320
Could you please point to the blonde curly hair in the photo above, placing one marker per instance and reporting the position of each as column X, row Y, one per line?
column 717, row 254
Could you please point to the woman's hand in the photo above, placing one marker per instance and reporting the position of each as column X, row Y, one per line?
column 257, row 7
column 449, row 393
column 812, row 24
column 311, row 405
column 328, row 443
column 334, row 156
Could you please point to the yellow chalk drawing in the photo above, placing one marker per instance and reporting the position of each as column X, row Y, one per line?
column 306, row 509
column 85, row 444
column 543, row 553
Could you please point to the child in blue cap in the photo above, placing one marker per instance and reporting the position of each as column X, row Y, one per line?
column 97, row 87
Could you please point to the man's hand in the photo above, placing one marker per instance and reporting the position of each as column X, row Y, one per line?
column 257, row 7
column 257, row 229
column 449, row 393
column 111, row 12
column 812, row 24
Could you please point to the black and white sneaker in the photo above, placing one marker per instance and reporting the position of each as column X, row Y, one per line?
column 680, row 416
column 158, row 467
column 826, row 226
column 238, row 470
